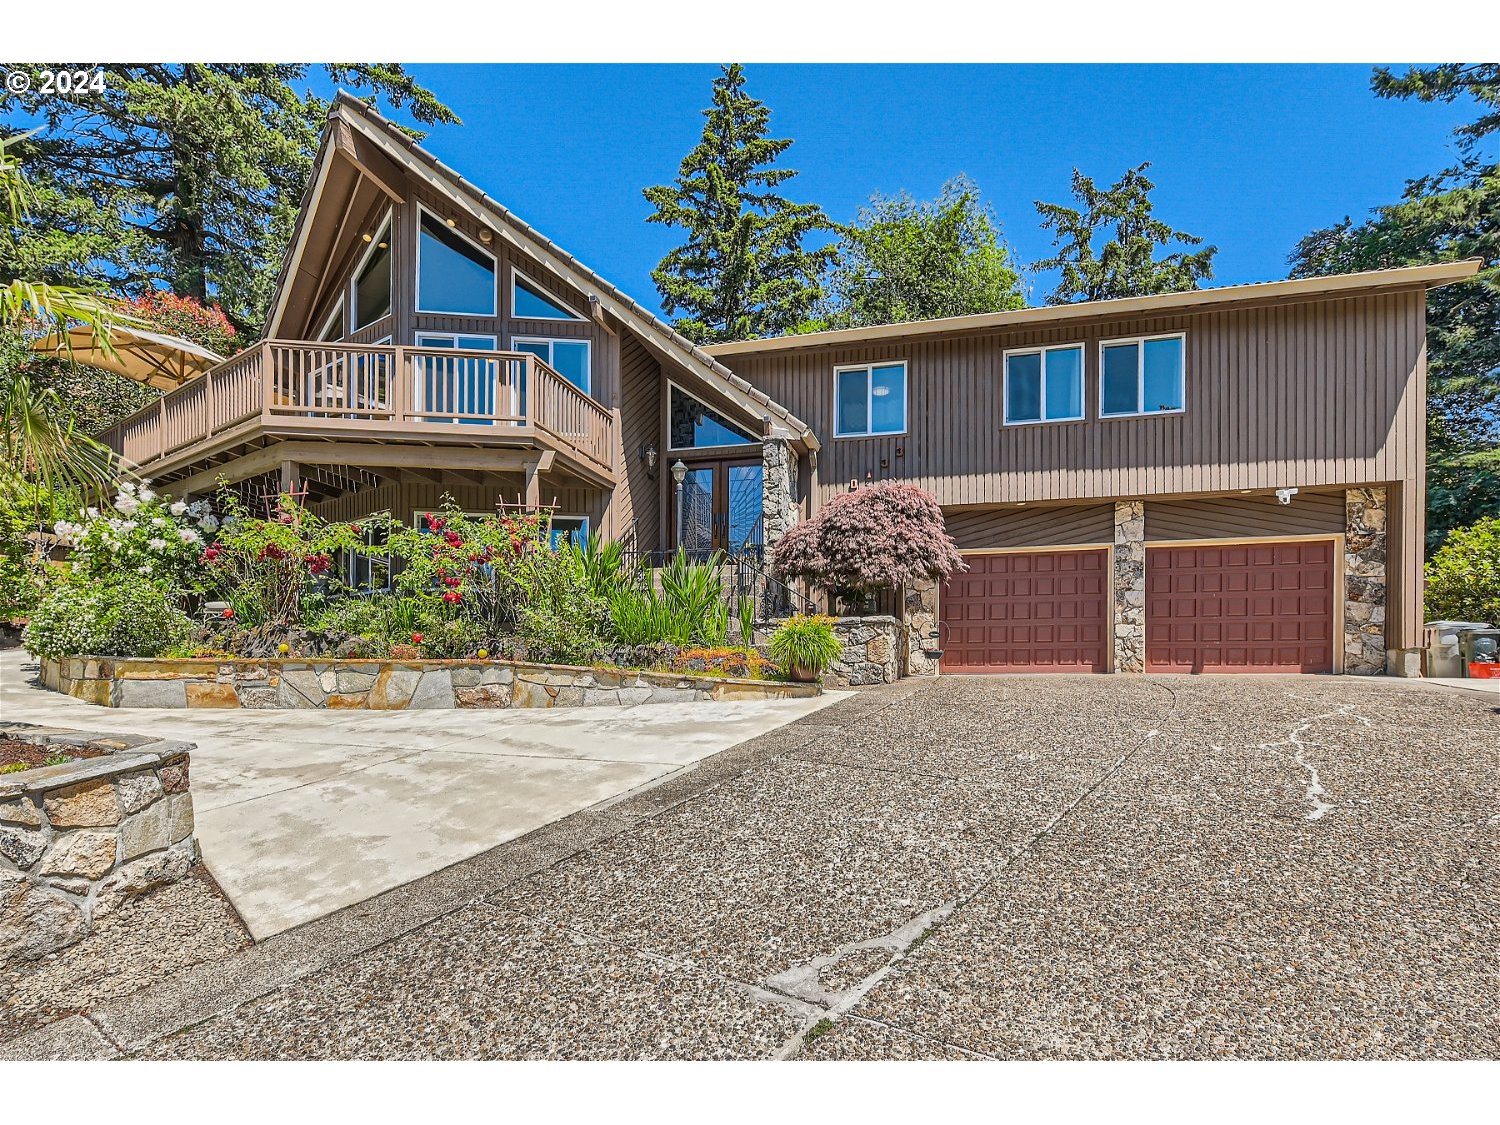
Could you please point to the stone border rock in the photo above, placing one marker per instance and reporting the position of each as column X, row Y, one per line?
column 78, row 840
column 387, row 685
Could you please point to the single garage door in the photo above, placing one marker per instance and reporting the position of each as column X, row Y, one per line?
column 1252, row 607
column 1042, row 611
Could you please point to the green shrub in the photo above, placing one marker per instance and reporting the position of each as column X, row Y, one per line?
column 1463, row 578
column 689, row 609
column 806, row 640
column 128, row 618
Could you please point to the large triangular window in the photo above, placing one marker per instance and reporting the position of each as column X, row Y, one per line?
column 529, row 301
column 696, row 425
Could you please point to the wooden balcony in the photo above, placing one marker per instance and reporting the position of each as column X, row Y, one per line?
column 384, row 394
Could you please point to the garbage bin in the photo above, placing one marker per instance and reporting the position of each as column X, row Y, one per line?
column 1480, row 649
column 1441, row 642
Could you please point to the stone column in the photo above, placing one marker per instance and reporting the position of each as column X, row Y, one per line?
column 1130, row 586
column 778, row 504
column 778, row 486
column 919, row 630
column 1364, row 581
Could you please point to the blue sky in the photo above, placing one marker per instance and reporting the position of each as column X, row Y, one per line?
column 1249, row 157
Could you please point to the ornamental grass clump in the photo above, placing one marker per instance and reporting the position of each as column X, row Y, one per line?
column 806, row 643
column 889, row 534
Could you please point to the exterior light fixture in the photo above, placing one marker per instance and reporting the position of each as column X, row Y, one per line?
column 453, row 222
column 486, row 236
column 368, row 237
column 649, row 455
column 679, row 474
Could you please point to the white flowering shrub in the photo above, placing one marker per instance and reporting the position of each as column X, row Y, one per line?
column 142, row 535
column 129, row 617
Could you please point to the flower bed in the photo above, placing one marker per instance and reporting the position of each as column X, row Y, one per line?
column 79, row 839
column 387, row 685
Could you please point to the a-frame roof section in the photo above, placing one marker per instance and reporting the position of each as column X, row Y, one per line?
column 689, row 360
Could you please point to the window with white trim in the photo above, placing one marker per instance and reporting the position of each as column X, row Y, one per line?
column 370, row 290
column 1144, row 375
column 869, row 399
column 529, row 301
column 569, row 358
column 1044, row 385
column 454, row 276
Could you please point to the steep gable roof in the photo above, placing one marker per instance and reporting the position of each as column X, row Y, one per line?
column 689, row 359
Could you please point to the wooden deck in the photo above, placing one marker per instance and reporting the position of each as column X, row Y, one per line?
column 372, row 393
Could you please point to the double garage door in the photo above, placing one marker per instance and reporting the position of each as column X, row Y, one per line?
column 1252, row 607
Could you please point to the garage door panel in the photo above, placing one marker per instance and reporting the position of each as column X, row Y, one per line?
column 1253, row 608
column 1047, row 611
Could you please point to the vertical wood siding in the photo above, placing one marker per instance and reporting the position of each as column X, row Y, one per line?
column 1303, row 394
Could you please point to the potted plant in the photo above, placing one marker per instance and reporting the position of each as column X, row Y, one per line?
column 805, row 645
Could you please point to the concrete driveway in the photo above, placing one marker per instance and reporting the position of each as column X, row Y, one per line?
column 1027, row 867
column 300, row 813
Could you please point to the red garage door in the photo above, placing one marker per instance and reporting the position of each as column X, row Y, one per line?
column 1043, row 611
column 1251, row 607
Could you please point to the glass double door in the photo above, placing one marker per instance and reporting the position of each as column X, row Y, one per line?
column 719, row 508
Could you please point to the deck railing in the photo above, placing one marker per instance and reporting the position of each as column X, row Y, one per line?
column 403, row 391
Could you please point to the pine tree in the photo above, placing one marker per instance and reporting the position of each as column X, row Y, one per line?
column 743, row 271
column 1127, row 265
column 1444, row 217
column 187, row 176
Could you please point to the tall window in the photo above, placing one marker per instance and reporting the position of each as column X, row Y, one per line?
column 569, row 358
column 529, row 301
column 372, row 281
column 696, row 425
column 453, row 275
column 1044, row 385
column 870, row 399
column 1141, row 376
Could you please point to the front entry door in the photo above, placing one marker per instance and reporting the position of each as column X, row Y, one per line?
column 721, row 505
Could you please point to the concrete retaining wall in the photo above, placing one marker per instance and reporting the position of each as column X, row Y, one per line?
column 386, row 685
column 77, row 840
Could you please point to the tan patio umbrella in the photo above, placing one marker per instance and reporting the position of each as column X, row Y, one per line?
column 160, row 361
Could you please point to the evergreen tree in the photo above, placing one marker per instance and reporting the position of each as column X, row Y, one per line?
column 185, row 176
column 905, row 259
column 1444, row 217
column 743, row 271
column 1126, row 265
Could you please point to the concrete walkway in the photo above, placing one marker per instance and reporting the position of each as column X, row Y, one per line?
column 300, row 813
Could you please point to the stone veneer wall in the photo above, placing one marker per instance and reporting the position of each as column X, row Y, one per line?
column 385, row 685
column 871, row 650
column 921, row 634
column 1364, row 581
column 1130, row 586
column 78, row 840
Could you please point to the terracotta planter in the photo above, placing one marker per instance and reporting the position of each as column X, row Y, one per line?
column 802, row 674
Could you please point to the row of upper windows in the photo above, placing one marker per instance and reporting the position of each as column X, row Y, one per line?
column 1137, row 376
column 455, row 277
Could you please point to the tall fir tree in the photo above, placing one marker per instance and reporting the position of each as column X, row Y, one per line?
column 186, row 176
column 1126, row 265
column 1443, row 217
column 744, row 270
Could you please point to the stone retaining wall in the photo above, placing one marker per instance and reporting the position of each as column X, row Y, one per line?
column 871, row 651
column 78, row 840
column 386, row 685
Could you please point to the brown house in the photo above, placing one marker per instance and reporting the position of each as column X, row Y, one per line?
column 1221, row 480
